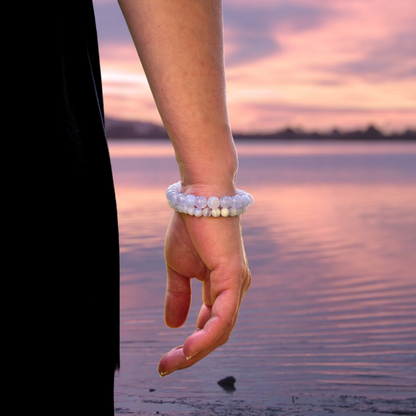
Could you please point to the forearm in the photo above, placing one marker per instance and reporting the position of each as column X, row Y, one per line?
column 180, row 45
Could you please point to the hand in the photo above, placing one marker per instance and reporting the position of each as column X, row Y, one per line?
column 210, row 250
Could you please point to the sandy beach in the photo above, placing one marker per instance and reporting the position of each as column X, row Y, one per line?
column 295, row 405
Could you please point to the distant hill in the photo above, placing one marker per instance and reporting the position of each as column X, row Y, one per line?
column 121, row 129
column 117, row 129
column 370, row 134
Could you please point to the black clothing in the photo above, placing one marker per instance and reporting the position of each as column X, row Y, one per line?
column 63, row 244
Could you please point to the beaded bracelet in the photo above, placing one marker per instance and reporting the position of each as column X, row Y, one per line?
column 201, row 206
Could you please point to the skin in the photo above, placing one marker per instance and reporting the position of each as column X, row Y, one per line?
column 180, row 44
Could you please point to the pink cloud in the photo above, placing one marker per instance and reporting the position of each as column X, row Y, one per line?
column 306, row 63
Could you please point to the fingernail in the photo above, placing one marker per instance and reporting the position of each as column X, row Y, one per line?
column 190, row 356
column 163, row 374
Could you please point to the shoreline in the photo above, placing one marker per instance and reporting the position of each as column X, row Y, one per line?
column 305, row 405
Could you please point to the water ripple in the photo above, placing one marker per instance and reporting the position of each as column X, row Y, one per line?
column 331, row 241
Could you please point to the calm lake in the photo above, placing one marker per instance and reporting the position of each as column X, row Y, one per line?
column 331, row 242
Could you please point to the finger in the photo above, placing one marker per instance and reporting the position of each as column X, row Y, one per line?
column 223, row 317
column 206, row 292
column 176, row 360
column 171, row 361
column 177, row 298
column 204, row 315
column 180, row 357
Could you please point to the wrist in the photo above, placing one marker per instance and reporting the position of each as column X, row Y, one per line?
column 211, row 172
column 206, row 189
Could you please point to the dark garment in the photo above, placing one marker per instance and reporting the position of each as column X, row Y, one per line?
column 63, row 245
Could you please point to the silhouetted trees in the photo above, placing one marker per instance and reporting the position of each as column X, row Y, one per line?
column 120, row 129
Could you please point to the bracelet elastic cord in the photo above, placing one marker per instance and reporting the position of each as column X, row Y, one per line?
column 200, row 206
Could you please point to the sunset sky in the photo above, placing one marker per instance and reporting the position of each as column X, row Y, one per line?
column 310, row 64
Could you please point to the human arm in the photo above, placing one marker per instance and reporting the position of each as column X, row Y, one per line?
column 180, row 44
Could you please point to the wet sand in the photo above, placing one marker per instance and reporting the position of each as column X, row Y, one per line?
column 295, row 405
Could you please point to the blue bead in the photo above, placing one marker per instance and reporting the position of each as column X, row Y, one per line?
column 213, row 202
column 236, row 202
column 246, row 201
column 200, row 206
column 201, row 202
column 250, row 197
column 190, row 201
column 174, row 197
column 225, row 202
column 181, row 199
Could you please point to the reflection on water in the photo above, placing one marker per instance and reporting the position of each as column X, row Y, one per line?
column 331, row 241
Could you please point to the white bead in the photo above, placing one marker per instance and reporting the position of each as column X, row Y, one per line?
column 170, row 193
column 225, row 212
column 246, row 201
column 233, row 212
column 216, row 212
column 200, row 206
column 190, row 200
column 236, row 201
column 201, row 202
column 174, row 197
column 250, row 197
column 213, row 202
column 225, row 202
column 181, row 199
column 206, row 212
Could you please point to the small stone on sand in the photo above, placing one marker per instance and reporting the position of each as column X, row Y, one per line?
column 227, row 383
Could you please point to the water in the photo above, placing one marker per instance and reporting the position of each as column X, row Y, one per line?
column 331, row 314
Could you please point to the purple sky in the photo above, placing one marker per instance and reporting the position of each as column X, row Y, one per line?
column 308, row 64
